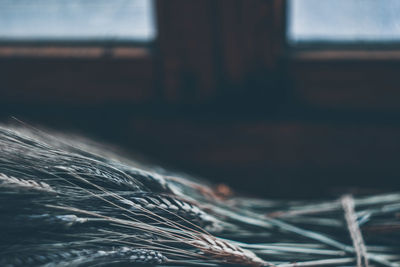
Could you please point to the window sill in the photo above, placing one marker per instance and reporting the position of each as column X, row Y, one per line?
column 73, row 52
column 347, row 55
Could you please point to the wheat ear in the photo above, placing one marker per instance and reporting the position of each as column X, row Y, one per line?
column 27, row 184
column 225, row 251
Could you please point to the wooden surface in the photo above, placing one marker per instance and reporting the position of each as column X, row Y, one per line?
column 278, row 158
column 359, row 83
column 285, row 158
column 76, row 81
column 187, row 50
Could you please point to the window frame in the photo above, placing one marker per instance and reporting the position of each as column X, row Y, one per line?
column 205, row 62
column 44, row 72
column 344, row 76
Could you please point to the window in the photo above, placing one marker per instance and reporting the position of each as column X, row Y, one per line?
column 77, row 51
column 343, row 21
column 202, row 50
column 77, row 20
column 346, row 54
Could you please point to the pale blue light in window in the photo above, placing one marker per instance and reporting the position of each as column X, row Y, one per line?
column 81, row 20
column 343, row 21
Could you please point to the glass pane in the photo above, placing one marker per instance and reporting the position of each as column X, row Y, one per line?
column 106, row 20
column 346, row 21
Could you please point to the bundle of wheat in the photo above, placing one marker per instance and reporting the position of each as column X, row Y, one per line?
column 68, row 202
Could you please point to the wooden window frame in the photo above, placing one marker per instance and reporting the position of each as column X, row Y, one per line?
column 75, row 73
column 344, row 77
column 226, row 53
column 194, row 63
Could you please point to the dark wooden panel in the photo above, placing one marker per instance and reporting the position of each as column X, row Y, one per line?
column 347, row 84
column 276, row 158
column 252, row 36
column 251, row 44
column 187, row 49
column 83, row 81
column 214, row 50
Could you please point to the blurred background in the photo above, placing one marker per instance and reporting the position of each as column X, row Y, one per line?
column 277, row 98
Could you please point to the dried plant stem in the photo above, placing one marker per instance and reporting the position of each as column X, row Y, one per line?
column 319, row 263
column 355, row 233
